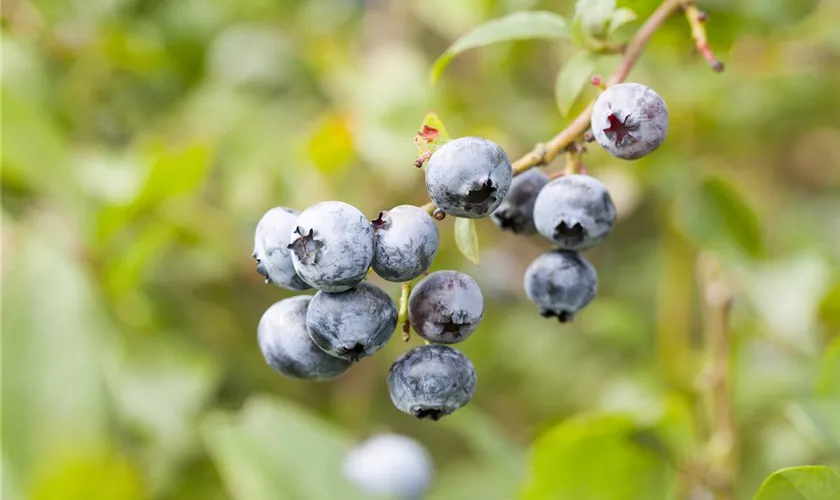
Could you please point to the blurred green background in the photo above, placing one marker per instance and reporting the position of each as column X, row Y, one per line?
column 143, row 140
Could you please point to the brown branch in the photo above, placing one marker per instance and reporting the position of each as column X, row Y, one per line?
column 715, row 380
column 543, row 154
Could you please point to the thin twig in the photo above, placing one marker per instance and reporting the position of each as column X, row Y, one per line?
column 543, row 154
column 402, row 317
column 715, row 381
column 697, row 20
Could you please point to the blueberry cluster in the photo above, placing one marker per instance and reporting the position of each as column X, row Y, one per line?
column 331, row 247
column 575, row 212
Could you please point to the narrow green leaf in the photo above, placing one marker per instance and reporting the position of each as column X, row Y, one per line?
column 732, row 214
column 621, row 25
column 466, row 238
column 516, row 26
column 813, row 482
column 572, row 78
column 829, row 380
column 593, row 16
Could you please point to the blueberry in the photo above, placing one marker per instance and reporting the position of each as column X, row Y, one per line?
column 352, row 324
column 406, row 243
column 389, row 465
column 332, row 246
column 274, row 261
column 468, row 177
column 431, row 381
column 446, row 307
column 516, row 213
column 575, row 212
column 629, row 120
column 286, row 346
column 561, row 283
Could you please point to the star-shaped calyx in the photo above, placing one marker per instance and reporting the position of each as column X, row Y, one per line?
column 305, row 246
column 619, row 130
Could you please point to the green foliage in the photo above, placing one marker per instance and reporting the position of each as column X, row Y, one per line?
column 516, row 26
column 572, row 79
column 466, row 237
column 274, row 451
column 801, row 483
column 596, row 457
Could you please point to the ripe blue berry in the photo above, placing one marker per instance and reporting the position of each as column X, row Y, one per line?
column 431, row 381
column 274, row 261
column 561, row 283
column 575, row 212
column 352, row 324
column 406, row 243
column 516, row 213
column 286, row 346
column 390, row 465
column 332, row 246
column 446, row 307
column 629, row 120
column 468, row 177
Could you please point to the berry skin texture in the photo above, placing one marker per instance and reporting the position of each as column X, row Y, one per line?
column 629, row 120
column 468, row 177
column 516, row 213
column 332, row 246
column 274, row 262
column 351, row 324
column 445, row 307
column 286, row 346
column 390, row 465
column 431, row 381
column 406, row 243
column 561, row 283
column 575, row 212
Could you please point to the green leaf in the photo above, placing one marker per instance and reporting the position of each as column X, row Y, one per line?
column 593, row 16
column 572, row 79
column 516, row 26
column 596, row 457
column 621, row 25
column 727, row 207
column 274, row 450
column 829, row 380
column 812, row 482
column 466, row 238
column 717, row 216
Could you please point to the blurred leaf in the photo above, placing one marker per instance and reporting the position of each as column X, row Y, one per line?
column 174, row 172
column 516, row 26
column 718, row 216
column 593, row 15
column 829, row 310
column 56, row 337
column 274, row 450
column 330, row 146
column 819, row 419
column 572, row 79
column 829, row 379
column 622, row 26
column 466, row 238
column 488, row 443
column 728, row 208
column 596, row 457
column 34, row 152
column 812, row 482
column 102, row 477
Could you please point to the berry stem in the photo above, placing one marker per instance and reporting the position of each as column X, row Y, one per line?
column 543, row 154
column 574, row 155
column 697, row 20
column 402, row 315
column 715, row 381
